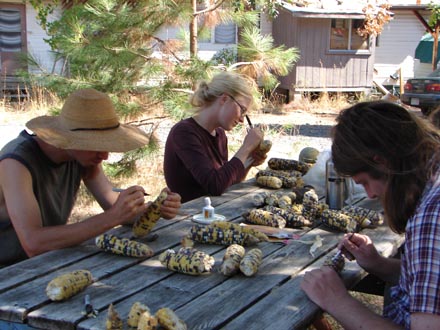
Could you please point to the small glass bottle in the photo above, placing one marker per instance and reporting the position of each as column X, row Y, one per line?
column 208, row 210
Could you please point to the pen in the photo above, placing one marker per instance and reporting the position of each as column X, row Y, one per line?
column 249, row 121
column 120, row 190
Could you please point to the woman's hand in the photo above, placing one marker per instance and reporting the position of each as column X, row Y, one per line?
column 171, row 206
column 324, row 286
column 362, row 249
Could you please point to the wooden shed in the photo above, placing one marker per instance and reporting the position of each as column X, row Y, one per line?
column 334, row 58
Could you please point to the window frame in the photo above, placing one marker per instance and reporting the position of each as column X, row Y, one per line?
column 349, row 44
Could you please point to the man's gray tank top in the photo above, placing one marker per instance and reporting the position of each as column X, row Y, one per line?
column 55, row 187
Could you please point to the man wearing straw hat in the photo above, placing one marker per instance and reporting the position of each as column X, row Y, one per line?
column 40, row 176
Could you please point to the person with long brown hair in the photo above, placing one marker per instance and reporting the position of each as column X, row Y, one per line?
column 395, row 155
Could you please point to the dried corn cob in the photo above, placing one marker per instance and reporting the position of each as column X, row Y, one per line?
column 376, row 218
column 258, row 199
column 288, row 164
column 270, row 182
column 286, row 181
column 359, row 214
column 148, row 220
column 169, row 320
column 231, row 260
column 215, row 235
column 265, row 218
column 310, row 205
column 339, row 221
column 251, row 261
column 271, row 199
column 123, row 246
column 147, row 321
column 236, row 227
column 113, row 321
column 337, row 262
column 135, row 313
column 67, row 285
column 263, row 148
column 296, row 208
column 293, row 220
column 187, row 261
column 284, row 202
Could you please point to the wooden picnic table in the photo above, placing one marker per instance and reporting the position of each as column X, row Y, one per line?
column 271, row 299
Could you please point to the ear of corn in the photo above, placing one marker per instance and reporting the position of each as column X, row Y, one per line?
column 187, row 261
column 168, row 319
column 288, row 164
column 339, row 221
column 270, row 182
column 123, row 246
column 264, row 147
column 147, row 321
column 67, row 285
column 251, row 261
column 236, row 227
column 147, row 221
column 359, row 214
column 231, row 260
column 293, row 220
column 113, row 321
column 258, row 199
column 216, row 235
column 286, row 181
column 337, row 262
column 284, row 202
column 265, row 218
column 310, row 205
column 135, row 313
column 271, row 199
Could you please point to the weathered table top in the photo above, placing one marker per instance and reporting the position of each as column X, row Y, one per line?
column 272, row 299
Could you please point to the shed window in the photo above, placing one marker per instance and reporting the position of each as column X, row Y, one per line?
column 10, row 30
column 343, row 35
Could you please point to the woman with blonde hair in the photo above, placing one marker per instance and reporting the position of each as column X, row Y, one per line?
column 196, row 152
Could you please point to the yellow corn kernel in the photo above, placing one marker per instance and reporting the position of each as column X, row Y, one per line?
column 123, row 246
column 147, row 221
column 67, row 285
column 168, row 319
column 251, row 261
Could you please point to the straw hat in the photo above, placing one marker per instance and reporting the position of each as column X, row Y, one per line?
column 88, row 121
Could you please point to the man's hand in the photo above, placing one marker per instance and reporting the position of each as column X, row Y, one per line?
column 171, row 206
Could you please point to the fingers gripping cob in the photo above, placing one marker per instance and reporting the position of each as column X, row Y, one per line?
column 251, row 261
column 213, row 234
column 187, row 261
column 337, row 262
column 263, row 148
column 123, row 246
column 113, row 321
column 231, row 260
column 169, row 320
column 148, row 220
column 67, row 285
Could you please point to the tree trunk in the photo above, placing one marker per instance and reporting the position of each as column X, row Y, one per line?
column 193, row 31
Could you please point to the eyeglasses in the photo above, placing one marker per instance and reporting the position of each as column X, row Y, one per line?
column 243, row 109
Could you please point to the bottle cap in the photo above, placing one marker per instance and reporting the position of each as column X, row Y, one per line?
column 207, row 201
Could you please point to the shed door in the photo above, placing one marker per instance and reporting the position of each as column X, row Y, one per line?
column 12, row 37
